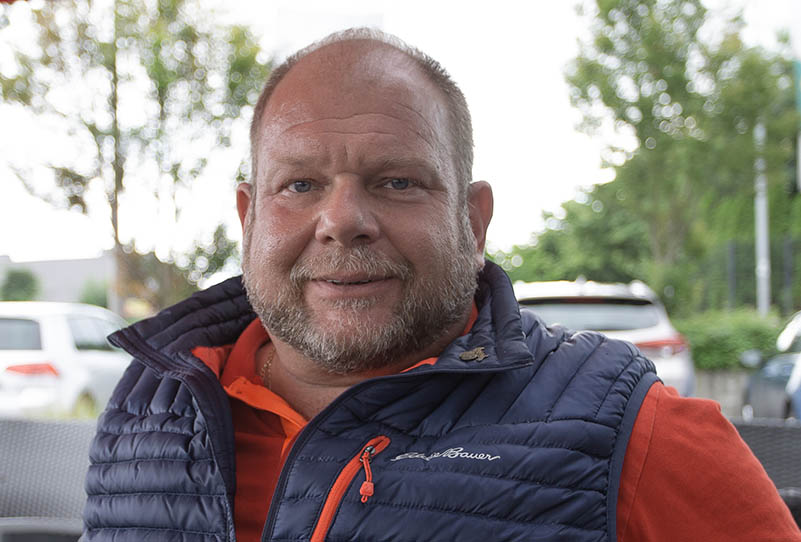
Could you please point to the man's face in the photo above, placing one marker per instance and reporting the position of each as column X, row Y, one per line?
column 358, row 251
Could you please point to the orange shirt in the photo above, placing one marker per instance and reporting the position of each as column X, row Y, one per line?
column 687, row 475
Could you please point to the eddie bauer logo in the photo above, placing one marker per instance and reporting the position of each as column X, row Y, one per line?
column 450, row 453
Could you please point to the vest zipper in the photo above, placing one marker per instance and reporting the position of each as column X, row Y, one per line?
column 343, row 481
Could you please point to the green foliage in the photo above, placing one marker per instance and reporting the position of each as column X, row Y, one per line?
column 598, row 238
column 686, row 109
column 691, row 107
column 19, row 285
column 718, row 338
column 95, row 293
column 210, row 258
column 246, row 74
column 156, row 282
column 190, row 79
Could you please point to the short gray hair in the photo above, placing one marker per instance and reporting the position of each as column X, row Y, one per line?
column 458, row 113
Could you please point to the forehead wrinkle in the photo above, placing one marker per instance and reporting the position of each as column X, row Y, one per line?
column 280, row 135
column 377, row 161
column 342, row 117
column 434, row 134
column 349, row 132
column 432, row 138
column 333, row 118
column 421, row 137
column 286, row 111
column 416, row 113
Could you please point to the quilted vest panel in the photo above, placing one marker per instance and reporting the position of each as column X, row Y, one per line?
column 153, row 472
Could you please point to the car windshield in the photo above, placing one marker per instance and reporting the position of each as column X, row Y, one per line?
column 19, row 334
column 601, row 315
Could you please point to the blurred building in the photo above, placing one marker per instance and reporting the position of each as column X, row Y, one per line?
column 66, row 280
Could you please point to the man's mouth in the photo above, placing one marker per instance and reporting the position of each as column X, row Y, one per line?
column 349, row 282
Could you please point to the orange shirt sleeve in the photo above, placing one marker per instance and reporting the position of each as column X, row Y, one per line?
column 687, row 475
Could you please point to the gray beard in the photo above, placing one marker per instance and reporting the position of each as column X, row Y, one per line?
column 427, row 310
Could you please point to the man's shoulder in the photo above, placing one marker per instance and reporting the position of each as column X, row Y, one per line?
column 209, row 318
column 584, row 374
column 559, row 342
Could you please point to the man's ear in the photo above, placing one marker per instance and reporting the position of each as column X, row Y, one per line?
column 480, row 204
column 244, row 193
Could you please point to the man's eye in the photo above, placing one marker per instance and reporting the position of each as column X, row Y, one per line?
column 300, row 186
column 399, row 183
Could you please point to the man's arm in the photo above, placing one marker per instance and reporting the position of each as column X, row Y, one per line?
column 688, row 475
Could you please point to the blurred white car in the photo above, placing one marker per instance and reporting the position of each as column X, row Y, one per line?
column 631, row 312
column 55, row 360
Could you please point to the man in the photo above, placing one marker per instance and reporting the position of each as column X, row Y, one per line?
column 387, row 386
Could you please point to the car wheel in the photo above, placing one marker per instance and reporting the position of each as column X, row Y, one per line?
column 84, row 408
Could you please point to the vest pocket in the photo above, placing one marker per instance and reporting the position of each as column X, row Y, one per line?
column 360, row 461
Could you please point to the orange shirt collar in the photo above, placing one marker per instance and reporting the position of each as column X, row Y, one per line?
column 238, row 376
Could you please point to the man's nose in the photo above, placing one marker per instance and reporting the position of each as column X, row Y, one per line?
column 347, row 214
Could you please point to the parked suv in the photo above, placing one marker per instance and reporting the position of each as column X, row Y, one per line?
column 55, row 360
column 631, row 312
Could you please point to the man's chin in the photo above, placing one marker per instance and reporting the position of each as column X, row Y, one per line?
column 346, row 326
column 353, row 340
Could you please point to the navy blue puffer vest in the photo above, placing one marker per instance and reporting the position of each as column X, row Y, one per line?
column 517, row 433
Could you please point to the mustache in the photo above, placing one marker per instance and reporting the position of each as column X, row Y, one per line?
column 359, row 260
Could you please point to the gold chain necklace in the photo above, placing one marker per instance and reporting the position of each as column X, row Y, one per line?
column 265, row 371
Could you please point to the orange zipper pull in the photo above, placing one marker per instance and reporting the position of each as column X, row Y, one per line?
column 344, row 480
column 367, row 489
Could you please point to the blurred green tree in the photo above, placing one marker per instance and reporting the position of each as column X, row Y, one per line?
column 184, row 78
column 210, row 258
column 678, row 95
column 19, row 285
column 95, row 292
column 155, row 282
column 598, row 238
